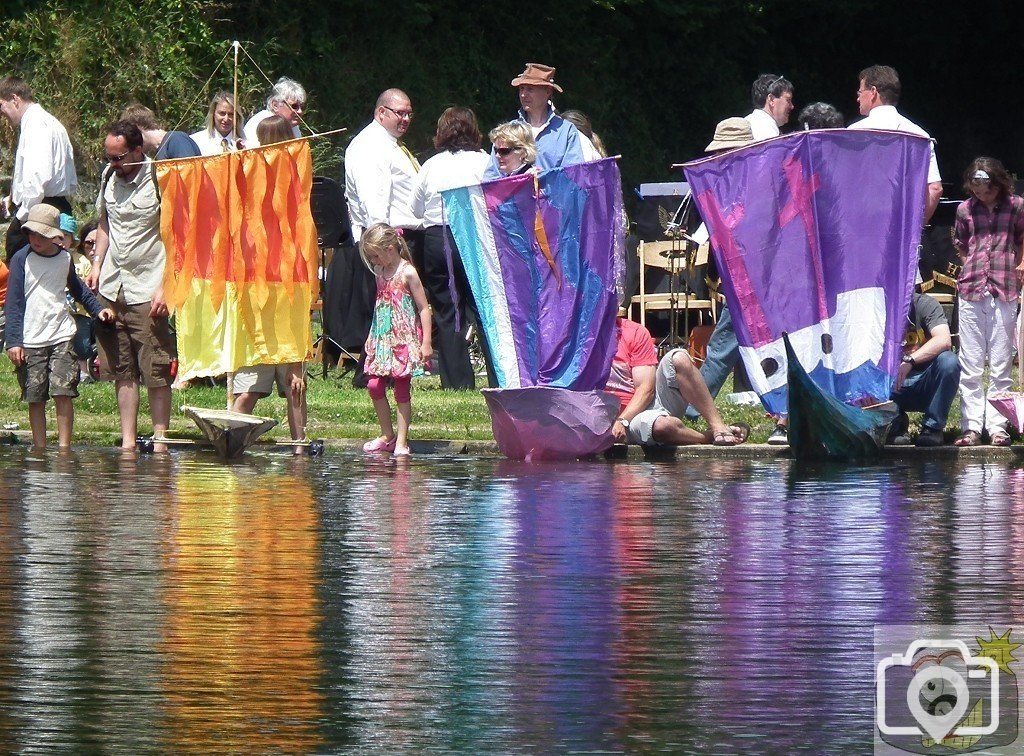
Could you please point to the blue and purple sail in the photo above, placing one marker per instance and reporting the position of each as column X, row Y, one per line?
column 544, row 258
column 816, row 235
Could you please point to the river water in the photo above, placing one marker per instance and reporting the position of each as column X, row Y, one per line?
column 344, row 603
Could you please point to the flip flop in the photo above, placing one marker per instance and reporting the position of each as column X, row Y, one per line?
column 969, row 438
column 1000, row 439
column 741, row 431
column 735, row 435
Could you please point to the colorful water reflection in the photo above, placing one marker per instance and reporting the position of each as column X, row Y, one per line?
column 367, row 605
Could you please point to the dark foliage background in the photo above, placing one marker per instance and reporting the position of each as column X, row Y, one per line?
column 654, row 75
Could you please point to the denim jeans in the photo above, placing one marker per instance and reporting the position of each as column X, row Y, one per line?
column 931, row 391
column 723, row 354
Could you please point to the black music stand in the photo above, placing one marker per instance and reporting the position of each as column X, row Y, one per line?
column 333, row 230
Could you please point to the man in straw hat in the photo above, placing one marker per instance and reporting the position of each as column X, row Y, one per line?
column 558, row 141
column 729, row 134
column 723, row 351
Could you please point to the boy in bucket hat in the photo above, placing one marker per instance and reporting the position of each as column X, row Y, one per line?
column 40, row 327
column 558, row 141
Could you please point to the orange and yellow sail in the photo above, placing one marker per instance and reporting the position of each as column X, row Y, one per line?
column 242, row 261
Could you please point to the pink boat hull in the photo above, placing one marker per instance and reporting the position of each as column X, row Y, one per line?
column 1011, row 406
column 544, row 423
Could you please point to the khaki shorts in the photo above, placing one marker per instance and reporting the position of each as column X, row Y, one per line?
column 136, row 347
column 260, row 379
column 641, row 427
column 48, row 371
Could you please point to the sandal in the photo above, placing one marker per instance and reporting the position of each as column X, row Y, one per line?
column 969, row 438
column 380, row 444
column 736, row 434
column 999, row 438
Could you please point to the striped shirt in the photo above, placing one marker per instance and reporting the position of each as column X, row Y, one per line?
column 989, row 240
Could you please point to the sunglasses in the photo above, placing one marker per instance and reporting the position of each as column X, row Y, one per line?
column 505, row 151
column 118, row 158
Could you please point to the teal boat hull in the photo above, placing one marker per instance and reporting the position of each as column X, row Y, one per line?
column 823, row 427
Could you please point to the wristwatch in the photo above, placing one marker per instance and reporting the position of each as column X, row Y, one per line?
column 625, row 422
column 909, row 360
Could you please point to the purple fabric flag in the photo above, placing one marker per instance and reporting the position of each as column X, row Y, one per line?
column 816, row 235
column 544, row 257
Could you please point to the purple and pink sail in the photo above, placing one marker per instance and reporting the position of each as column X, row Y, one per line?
column 816, row 235
column 544, row 256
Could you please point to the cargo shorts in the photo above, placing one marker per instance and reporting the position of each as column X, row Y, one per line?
column 48, row 371
column 135, row 347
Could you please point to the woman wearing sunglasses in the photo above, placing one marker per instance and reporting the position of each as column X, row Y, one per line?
column 514, row 147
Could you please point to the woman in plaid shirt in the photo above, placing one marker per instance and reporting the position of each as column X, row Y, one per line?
column 988, row 236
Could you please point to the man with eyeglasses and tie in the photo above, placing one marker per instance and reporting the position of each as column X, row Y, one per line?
column 44, row 164
column 772, row 97
column 877, row 97
column 288, row 100
column 380, row 178
column 380, row 171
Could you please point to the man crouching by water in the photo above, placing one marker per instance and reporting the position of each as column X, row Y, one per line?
column 928, row 376
column 653, row 395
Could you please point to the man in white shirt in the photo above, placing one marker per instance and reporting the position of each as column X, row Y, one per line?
column 380, row 173
column 772, row 97
column 44, row 164
column 380, row 177
column 287, row 99
column 877, row 97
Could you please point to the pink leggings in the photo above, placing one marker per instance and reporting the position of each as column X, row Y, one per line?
column 378, row 384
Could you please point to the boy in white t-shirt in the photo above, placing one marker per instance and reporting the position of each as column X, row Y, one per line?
column 40, row 327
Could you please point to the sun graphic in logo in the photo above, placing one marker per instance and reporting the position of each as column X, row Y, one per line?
column 999, row 649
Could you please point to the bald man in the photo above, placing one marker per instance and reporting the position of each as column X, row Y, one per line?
column 380, row 172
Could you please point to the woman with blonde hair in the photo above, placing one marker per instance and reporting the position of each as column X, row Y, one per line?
column 514, row 147
column 222, row 119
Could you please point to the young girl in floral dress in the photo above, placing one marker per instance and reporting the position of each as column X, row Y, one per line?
column 399, row 340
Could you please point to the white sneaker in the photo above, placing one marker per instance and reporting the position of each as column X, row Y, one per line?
column 779, row 437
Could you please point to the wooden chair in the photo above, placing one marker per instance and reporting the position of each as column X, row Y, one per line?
column 667, row 256
column 945, row 296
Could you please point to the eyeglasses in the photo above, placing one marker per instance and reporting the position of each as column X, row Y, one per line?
column 402, row 114
column 981, row 182
column 864, row 91
column 505, row 151
column 772, row 85
column 88, row 243
column 298, row 107
column 118, row 158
